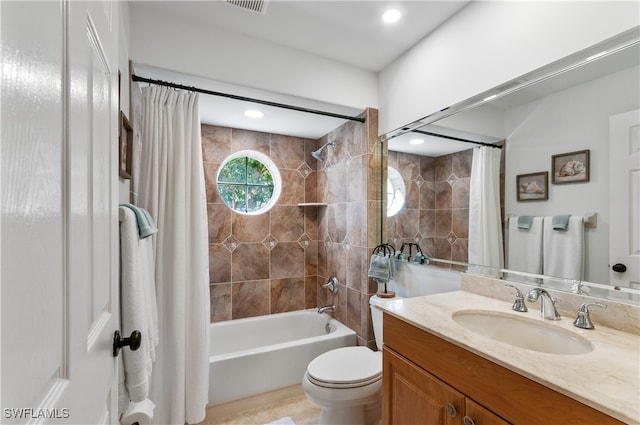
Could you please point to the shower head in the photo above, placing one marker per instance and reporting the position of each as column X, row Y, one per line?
column 317, row 154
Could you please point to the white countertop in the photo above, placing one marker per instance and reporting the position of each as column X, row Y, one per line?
column 607, row 378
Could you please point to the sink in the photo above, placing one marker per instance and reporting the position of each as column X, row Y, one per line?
column 522, row 332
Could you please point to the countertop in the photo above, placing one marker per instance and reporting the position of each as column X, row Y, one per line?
column 607, row 378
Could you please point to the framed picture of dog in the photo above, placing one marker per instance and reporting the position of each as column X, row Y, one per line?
column 570, row 167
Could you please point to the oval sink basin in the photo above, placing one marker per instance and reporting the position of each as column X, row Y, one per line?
column 522, row 332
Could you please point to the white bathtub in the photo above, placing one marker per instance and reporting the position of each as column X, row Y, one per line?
column 259, row 354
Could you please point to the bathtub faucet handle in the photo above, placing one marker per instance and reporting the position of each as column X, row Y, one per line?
column 332, row 285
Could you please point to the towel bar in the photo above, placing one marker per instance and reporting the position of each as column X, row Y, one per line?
column 590, row 219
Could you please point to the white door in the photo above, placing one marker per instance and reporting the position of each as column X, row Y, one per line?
column 59, row 212
column 624, row 198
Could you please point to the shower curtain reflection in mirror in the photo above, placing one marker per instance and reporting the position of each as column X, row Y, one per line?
column 485, row 222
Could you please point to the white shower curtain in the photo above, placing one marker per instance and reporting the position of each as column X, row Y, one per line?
column 171, row 188
column 485, row 224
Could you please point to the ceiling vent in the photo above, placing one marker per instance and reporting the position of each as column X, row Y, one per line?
column 255, row 6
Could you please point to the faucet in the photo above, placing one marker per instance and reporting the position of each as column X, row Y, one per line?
column 583, row 320
column 518, row 303
column 332, row 285
column 326, row 308
column 547, row 304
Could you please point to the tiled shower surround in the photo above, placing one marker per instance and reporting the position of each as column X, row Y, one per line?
column 436, row 211
column 277, row 261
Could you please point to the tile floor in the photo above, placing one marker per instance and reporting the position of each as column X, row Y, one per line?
column 263, row 409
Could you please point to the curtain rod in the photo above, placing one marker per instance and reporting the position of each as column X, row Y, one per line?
column 137, row 78
column 428, row 133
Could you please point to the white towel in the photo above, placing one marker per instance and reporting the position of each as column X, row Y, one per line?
column 524, row 248
column 138, row 309
column 564, row 249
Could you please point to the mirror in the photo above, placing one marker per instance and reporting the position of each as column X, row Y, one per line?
column 541, row 118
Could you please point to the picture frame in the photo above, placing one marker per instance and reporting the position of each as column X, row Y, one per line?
column 125, row 148
column 570, row 167
column 533, row 186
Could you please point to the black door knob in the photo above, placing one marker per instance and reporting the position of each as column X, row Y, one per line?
column 620, row 268
column 133, row 341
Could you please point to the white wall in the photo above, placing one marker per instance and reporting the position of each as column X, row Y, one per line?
column 123, row 64
column 218, row 54
column 571, row 120
column 489, row 43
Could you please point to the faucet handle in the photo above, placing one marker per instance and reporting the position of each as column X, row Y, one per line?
column 332, row 285
column 518, row 303
column 583, row 320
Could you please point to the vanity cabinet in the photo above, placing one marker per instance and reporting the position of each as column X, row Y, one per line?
column 424, row 374
column 413, row 396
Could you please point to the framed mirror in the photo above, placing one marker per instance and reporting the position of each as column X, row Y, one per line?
column 570, row 131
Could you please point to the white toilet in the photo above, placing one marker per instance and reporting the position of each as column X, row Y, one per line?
column 347, row 382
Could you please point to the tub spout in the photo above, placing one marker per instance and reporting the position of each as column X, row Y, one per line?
column 326, row 308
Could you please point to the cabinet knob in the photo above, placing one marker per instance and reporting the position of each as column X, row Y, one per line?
column 468, row 421
column 451, row 410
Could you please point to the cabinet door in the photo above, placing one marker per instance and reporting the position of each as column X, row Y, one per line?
column 413, row 396
column 478, row 415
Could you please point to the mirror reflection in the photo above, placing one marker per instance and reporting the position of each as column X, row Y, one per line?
column 573, row 136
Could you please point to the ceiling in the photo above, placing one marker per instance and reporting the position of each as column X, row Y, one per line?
column 350, row 32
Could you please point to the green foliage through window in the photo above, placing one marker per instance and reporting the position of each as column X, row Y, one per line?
column 245, row 184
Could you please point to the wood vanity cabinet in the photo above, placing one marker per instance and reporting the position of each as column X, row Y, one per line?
column 429, row 381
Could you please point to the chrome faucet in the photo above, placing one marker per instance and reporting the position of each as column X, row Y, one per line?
column 518, row 303
column 583, row 320
column 547, row 304
column 332, row 285
column 326, row 308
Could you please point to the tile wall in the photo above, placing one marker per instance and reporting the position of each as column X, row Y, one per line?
column 265, row 263
column 349, row 183
column 436, row 211
column 277, row 261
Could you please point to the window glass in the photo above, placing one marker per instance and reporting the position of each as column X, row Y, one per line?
column 249, row 182
column 395, row 192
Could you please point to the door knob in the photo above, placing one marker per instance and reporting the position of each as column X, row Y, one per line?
column 133, row 341
column 620, row 268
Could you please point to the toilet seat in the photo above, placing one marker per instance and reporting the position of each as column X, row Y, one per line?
column 348, row 367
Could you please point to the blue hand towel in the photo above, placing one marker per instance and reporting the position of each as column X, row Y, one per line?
column 560, row 222
column 380, row 268
column 525, row 221
column 146, row 225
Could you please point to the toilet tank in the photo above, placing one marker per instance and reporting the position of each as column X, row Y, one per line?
column 376, row 316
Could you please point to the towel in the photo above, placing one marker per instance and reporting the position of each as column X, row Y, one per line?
column 381, row 268
column 563, row 251
column 138, row 309
column 524, row 221
column 146, row 225
column 524, row 247
column 561, row 222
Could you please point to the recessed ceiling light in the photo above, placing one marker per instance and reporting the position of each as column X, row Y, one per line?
column 493, row 96
column 416, row 141
column 252, row 113
column 390, row 16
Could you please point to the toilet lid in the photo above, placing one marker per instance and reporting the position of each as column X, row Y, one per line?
column 348, row 366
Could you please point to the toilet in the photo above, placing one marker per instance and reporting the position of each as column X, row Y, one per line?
column 347, row 382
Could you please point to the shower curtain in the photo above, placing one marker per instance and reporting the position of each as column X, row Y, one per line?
column 485, row 224
column 171, row 188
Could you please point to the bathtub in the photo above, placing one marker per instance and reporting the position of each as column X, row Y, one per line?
column 259, row 354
